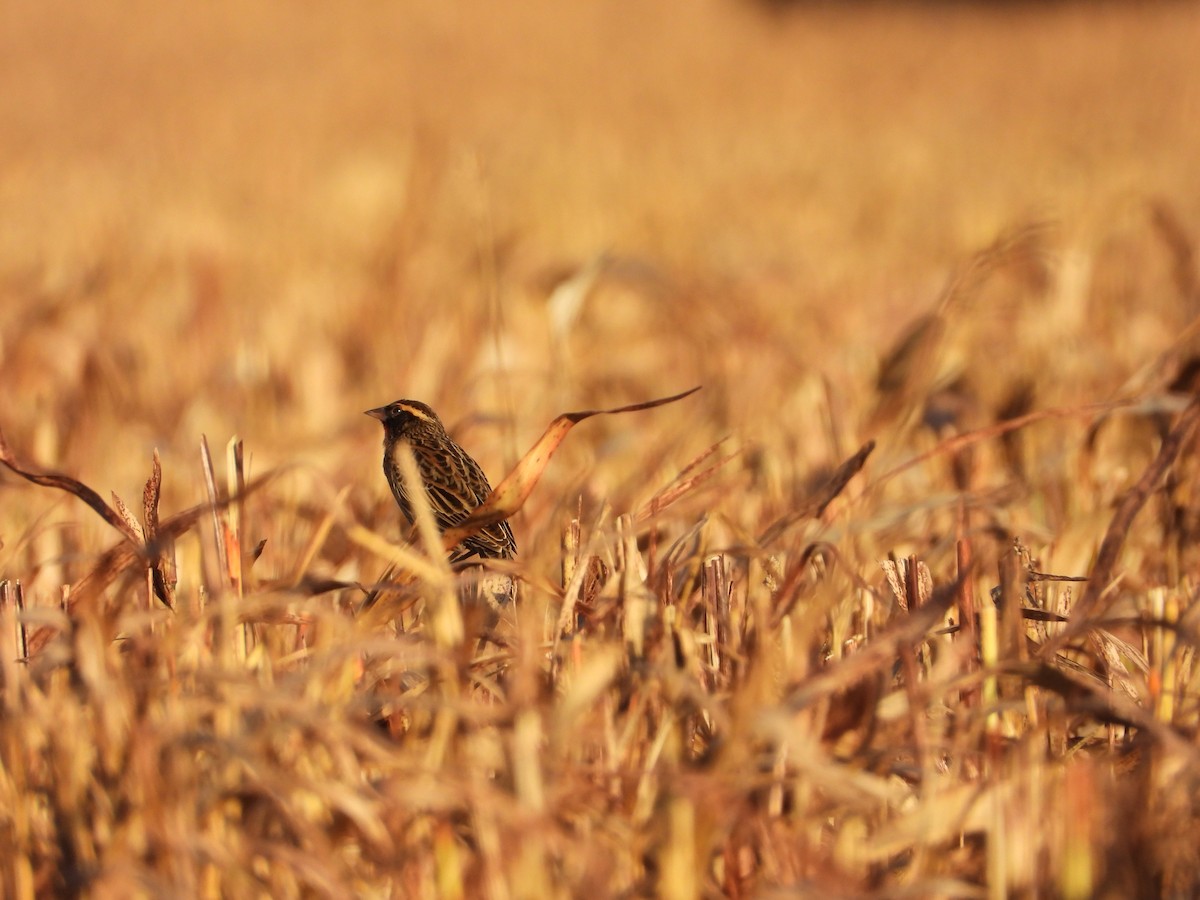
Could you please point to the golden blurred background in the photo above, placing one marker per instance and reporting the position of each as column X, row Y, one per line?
column 261, row 220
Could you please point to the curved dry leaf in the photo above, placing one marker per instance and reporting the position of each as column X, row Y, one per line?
column 511, row 494
column 71, row 486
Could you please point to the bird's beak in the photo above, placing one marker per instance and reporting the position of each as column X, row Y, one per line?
column 379, row 413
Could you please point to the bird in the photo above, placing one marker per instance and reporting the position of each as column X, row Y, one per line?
column 453, row 481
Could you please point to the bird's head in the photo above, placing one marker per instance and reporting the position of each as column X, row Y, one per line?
column 404, row 414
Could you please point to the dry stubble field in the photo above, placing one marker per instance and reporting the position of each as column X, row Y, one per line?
column 745, row 660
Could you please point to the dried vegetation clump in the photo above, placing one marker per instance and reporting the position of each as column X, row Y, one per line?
column 902, row 602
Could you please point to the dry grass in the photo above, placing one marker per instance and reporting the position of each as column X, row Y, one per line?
column 739, row 664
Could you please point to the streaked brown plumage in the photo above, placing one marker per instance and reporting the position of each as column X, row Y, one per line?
column 454, row 483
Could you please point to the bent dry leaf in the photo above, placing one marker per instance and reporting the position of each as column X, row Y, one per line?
column 139, row 543
column 117, row 560
column 514, row 490
column 149, row 544
column 71, row 486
